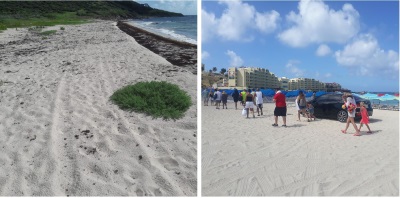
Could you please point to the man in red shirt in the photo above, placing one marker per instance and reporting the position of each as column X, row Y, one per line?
column 280, row 107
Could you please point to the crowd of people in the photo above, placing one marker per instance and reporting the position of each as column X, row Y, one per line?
column 253, row 99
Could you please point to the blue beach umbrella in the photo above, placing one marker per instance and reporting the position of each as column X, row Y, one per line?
column 387, row 97
column 370, row 96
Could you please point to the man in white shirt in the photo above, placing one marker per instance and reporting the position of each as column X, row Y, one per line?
column 218, row 98
column 259, row 101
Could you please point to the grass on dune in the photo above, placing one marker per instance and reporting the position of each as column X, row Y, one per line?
column 46, row 33
column 67, row 18
column 157, row 99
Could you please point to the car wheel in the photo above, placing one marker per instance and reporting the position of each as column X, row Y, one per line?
column 342, row 116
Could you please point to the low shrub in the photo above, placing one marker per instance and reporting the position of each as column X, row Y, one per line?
column 157, row 99
column 48, row 32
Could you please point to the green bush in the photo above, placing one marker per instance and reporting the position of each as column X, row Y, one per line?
column 158, row 99
column 62, row 28
column 48, row 32
column 81, row 12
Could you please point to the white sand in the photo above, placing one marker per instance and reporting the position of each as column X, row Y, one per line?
column 53, row 89
column 250, row 157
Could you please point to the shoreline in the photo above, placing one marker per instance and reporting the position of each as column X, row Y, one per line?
column 179, row 53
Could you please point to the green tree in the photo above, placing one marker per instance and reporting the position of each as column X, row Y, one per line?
column 223, row 70
column 214, row 69
column 202, row 67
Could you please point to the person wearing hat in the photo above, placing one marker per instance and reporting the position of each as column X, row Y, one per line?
column 350, row 102
column 280, row 107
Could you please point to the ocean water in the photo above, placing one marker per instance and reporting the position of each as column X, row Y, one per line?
column 388, row 102
column 177, row 28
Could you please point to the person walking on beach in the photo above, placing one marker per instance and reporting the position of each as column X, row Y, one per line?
column 310, row 109
column 235, row 96
column 249, row 103
column 218, row 97
column 224, row 99
column 243, row 93
column 211, row 97
column 313, row 96
column 280, row 107
column 301, row 100
column 350, row 105
column 205, row 96
column 259, row 101
column 364, row 117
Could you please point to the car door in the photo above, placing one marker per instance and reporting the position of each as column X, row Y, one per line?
column 325, row 106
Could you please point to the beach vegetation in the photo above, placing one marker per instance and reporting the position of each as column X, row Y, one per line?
column 15, row 14
column 81, row 12
column 157, row 99
column 39, row 22
column 223, row 70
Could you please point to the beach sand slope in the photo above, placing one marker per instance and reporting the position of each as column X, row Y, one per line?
column 61, row 135
column 250, row 157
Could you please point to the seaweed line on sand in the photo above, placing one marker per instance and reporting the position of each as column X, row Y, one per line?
column 179, row 53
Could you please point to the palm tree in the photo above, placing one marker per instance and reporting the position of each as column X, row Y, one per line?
column 223, row 70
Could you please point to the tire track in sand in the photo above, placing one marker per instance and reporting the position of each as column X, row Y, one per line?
column 158, row 176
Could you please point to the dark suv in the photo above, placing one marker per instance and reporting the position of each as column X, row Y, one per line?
column 330, row 106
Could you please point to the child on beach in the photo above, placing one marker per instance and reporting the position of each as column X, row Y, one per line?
column 364, row 117
column 310, row 109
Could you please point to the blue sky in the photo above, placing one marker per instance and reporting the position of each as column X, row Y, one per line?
column 353, row 43
column 186, row 7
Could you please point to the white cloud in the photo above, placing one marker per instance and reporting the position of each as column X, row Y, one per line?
column 209, row 24
column 291, row 67
column 323, row 50
column 317, row 23
column 267, row 22
column 204, row 55
column 365, row 55
column 235, row 60
column 236, row 21
column 327, row 75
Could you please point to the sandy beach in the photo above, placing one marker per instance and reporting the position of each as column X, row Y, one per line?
column 250, row 157
column 61, row 135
